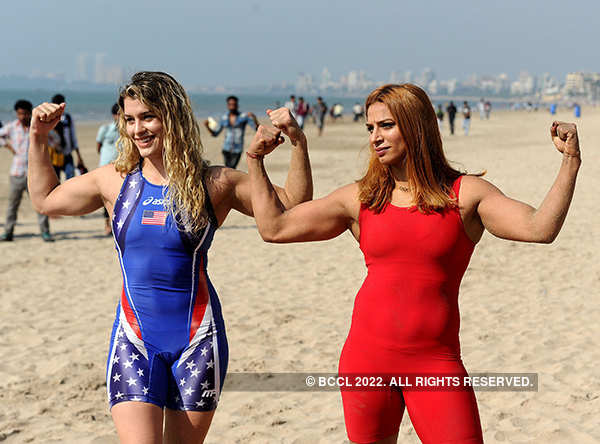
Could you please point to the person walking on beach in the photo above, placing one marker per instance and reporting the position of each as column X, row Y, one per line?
column 481, row 108
column 440, row 116
column 451, row 110
column 15, row 137
column 292, row 106
column 234, row 123
column 487, row 109
column 417, row 221
column 301, row 112
column 168, row 351
column 106, row 145
column 68, row 142
column 320, row 110
column 466, row 112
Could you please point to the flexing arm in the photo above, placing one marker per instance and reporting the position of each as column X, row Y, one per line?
column 310, row 221
column 510, row 219
column 298, row 186
column 76, row 196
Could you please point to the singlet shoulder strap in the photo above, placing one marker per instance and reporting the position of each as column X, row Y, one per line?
column 126, row 202
column 456, row 186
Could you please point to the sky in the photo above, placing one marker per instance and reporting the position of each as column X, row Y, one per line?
column 259, row 42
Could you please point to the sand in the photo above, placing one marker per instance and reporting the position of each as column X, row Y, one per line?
column 525, row 308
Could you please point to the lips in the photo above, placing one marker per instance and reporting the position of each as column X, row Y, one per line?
column 144, row 142
column 382, row 150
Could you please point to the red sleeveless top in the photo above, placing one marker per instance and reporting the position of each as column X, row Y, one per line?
column 409, row 299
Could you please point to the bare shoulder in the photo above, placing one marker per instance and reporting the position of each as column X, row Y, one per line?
column 347, row 196
column 473, row 189
column 108, row 180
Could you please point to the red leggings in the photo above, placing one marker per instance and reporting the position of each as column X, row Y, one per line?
column 437, row 416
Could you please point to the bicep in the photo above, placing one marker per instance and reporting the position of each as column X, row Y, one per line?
column 315, row 220
column 242, row 195
column 503, row 216
column 74, row 197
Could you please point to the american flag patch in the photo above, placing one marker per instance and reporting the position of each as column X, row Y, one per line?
column 152, row 217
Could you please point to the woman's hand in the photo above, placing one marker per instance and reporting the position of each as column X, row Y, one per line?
column 265, row 140
column 564, row 136
column 45, row 117
column 282, row 119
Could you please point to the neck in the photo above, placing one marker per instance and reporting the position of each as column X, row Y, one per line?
column 154, row 171
column 399, row 172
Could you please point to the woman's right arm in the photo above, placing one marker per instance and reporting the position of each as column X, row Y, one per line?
column 314, row 220
column 77, row 196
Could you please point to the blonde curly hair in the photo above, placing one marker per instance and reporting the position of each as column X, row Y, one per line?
column 182, row 149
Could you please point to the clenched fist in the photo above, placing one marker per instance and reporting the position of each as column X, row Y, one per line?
column 45, row 117
column 564, row 136
column 282, row 119
column 265, row 140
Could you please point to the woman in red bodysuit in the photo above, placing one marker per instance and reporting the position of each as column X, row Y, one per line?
column 417, row 221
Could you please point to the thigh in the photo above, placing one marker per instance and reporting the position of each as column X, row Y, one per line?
column 134, row 371
column 370, row 415
column 449, row 416
column 197, row 377
column 138, row 422
column 186, row 427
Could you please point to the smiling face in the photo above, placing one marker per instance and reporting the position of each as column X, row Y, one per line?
column 385, row 137
column 145, row 128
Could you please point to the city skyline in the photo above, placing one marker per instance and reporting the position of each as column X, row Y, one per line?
column 96, row 70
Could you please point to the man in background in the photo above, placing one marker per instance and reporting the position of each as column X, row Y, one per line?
column 291, row 105
column 466, row 112
column 15, row 136
column 68, row 142
column 234, row 124
column 320, row 110
column 451, row 110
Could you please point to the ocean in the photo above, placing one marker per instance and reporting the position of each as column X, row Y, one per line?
column 95, row 106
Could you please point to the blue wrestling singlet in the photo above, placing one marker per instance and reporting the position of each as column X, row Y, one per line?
column 168, row 345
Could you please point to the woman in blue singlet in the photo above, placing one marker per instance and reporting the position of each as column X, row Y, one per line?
column 168, row 349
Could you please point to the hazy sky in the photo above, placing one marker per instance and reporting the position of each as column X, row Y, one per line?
column 253, row 42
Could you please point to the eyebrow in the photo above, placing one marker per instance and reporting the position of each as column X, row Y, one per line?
column 380, row 122
column 142, row 114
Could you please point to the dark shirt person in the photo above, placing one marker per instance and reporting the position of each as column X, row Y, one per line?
column 451, row 110
column 68, row 142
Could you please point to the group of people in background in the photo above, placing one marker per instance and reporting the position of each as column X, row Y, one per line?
column 62, row 146
column 301, row 110
column 65, row 156
column 485, row 109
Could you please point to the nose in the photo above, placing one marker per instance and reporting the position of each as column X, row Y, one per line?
column 139, row 128
column 375, row 138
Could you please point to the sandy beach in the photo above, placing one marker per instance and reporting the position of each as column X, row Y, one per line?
column 524, row 307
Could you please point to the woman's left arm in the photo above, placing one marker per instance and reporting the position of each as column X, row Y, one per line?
column 510, row 219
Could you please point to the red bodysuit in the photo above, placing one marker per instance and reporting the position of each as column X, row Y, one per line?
column 406, row 321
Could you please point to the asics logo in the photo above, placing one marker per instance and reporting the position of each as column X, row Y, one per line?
column 153, row 201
